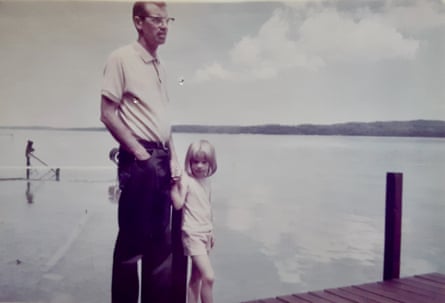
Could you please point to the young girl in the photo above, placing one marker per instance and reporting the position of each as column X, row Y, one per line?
column 192, row 193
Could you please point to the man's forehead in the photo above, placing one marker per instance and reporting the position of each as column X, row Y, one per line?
column 153, row 8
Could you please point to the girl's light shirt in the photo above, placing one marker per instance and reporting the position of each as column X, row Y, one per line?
column 197, row 211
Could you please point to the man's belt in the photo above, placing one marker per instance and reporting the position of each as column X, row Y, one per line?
column 154, row 145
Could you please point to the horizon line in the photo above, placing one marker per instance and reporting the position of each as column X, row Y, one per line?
column 224, row 125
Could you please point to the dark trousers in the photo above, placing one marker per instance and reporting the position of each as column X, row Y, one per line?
column 144, row 216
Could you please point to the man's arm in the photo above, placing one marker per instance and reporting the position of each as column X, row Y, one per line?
column 109, row 117
column 176, row 170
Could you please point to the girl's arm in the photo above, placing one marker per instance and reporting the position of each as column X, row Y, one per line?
column 178, row 193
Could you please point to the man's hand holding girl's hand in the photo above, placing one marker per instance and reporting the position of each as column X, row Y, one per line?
column 176, row 172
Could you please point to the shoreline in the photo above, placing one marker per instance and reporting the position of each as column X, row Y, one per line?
column 412, row 128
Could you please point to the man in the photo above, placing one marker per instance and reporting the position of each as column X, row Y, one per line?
column 134, row 108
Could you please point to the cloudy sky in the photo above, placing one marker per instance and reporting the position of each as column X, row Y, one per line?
column 242, row 62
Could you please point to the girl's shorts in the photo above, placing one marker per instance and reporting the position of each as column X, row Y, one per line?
column 196, row 244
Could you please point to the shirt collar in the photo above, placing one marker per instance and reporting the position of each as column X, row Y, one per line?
column 143, row 53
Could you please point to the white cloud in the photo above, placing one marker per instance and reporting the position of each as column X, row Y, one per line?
column 264, row 55
column 309, row 37
column 213, row 71
column 417, row 17
column 337, row 36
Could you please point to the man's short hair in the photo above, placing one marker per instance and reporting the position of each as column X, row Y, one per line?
column 139, row 7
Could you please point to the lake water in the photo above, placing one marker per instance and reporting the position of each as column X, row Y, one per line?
column 292, row 213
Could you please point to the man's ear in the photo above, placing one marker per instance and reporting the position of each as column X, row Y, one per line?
column 137, row 20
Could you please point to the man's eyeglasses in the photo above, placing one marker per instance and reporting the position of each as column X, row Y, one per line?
column 159, row 20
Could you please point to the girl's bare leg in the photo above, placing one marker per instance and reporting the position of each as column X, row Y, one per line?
column 207, row 275
column 194, row 285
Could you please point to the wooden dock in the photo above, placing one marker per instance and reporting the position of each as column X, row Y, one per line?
column 426, row 288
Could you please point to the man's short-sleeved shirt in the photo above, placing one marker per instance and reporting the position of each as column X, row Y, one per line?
column 136, row 80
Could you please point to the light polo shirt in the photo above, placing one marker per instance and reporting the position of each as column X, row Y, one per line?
column 136, row 80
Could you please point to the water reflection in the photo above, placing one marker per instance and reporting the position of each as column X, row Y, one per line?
column 29, row 194
column 295, row 242
column 114, row 193
column 31, row 189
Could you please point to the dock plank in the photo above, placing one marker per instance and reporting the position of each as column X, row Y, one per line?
column 421, row 284
column 291, row 299
column 267, row 300
column 350, row 296
column 312, row 298
column 366, row 294
column 393, row 293
column 433, row 277
column 425, row 288
column 330, row 297
column 409, row 288
column 271, row 300
column 434, row 283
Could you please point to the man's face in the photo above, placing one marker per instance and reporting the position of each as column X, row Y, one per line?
column 153, row 26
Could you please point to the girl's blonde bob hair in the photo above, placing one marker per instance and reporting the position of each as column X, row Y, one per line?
column 201, row 148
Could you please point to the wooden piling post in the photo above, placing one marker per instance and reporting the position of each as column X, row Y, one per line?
column 179, row 265
column 393, row 226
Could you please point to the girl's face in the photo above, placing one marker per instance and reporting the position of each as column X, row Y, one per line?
column 199, row 166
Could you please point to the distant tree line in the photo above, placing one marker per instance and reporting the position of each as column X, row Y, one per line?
column 414, row 128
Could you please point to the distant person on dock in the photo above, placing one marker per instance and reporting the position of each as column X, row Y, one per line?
column 192, row 193
column 134, row 108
